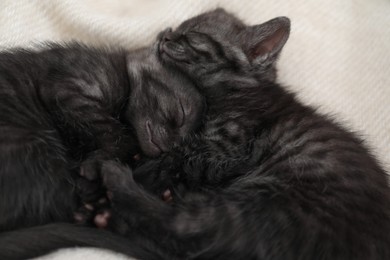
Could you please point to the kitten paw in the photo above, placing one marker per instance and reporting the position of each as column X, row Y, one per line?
column 117, row 177
column 101, row 219
column 91, row 167
column 167, row 196
column 89, row 191
column 87, row 213
column 84, row 215
column 152, row 176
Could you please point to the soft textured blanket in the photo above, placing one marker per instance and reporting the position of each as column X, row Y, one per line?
column 337, row 58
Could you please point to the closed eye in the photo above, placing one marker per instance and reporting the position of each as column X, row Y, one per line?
column 198, row 42
column 175, row 46
column 204, row 45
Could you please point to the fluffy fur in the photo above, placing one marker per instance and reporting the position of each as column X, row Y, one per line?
column 66, row 107
column 266, row 177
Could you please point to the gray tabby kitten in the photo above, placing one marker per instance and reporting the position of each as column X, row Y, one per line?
column 66, row 108
column 265, row 178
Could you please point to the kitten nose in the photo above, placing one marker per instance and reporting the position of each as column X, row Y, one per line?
column 163, row 37
column 166, row 35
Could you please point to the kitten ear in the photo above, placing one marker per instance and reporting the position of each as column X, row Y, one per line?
column 265, row 41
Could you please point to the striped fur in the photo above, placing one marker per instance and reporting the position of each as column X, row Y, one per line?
column 267, row 177
column 69, row 107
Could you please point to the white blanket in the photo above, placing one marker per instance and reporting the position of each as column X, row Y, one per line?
column 337, row 57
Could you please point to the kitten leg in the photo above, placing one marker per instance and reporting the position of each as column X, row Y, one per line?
column 185, row 227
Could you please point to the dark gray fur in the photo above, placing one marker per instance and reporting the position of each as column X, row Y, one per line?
column 66, row 107
column 265, row 178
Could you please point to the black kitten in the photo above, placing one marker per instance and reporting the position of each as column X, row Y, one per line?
column 67, row 106
column 267, row 177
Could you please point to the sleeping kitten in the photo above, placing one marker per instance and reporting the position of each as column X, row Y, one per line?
column 69, row 106
column 265, row 178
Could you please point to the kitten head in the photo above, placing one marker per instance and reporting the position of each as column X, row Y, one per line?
column 164, row 105
column 217, row 43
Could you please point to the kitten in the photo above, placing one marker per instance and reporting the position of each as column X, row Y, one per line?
column 66, row 107
column 265, row 178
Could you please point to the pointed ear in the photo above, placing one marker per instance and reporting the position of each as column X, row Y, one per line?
column 264, row 42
